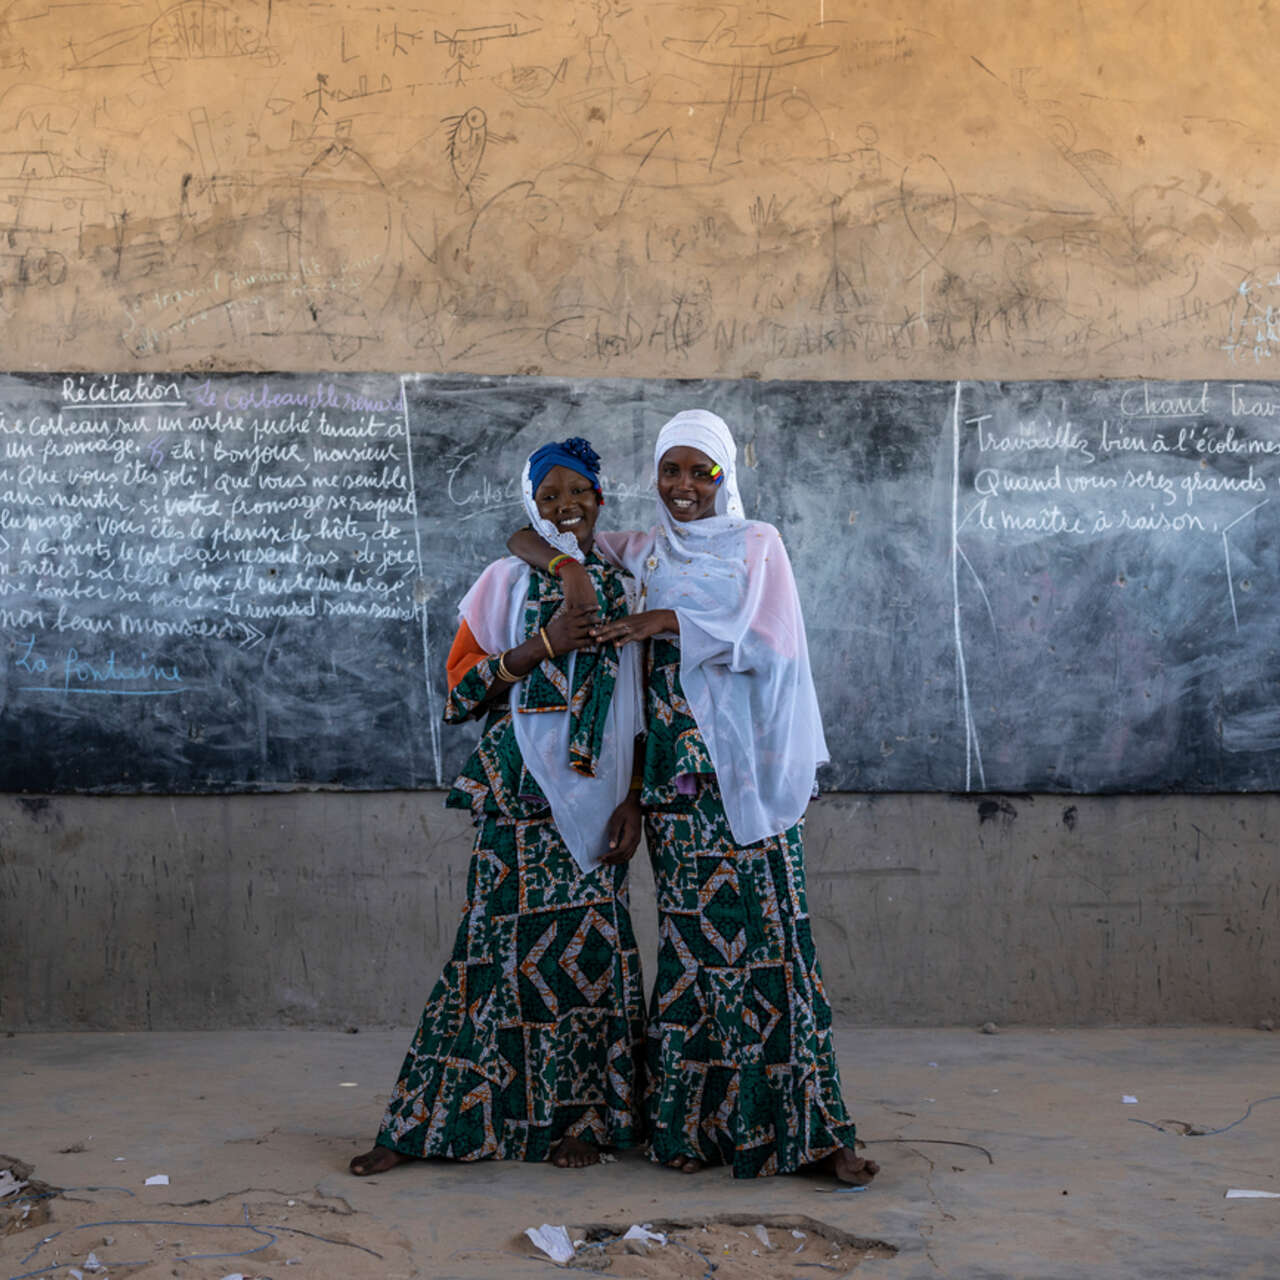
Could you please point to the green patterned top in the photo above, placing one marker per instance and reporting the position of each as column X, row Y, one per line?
column 673, row 745
column 494, row 779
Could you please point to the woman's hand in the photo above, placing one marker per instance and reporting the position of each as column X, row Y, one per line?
column 625, row 825
column 572, row 627
column 637, row 626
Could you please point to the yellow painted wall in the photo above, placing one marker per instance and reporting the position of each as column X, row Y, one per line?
column 828, row 189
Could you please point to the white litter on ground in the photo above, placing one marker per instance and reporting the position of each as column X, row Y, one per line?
column 643, row 1233
column 553, row 1241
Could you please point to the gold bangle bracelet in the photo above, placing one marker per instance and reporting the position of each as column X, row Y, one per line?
column 546, row 644
column 503, row 673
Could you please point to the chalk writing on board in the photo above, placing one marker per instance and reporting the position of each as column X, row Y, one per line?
column 192, row 524
column 163, row 539
column 1157, row 488
column 1138, row 472
column 76, row 674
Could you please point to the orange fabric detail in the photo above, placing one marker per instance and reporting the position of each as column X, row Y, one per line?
column 465, row 654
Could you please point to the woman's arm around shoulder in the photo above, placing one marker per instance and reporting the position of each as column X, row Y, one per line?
column 533, row 549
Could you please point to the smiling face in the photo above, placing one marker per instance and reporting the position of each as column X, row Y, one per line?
column 568, row 499
column 685, row 484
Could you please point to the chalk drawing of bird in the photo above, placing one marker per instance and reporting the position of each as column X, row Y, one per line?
column 468, row 138
column 528, row 83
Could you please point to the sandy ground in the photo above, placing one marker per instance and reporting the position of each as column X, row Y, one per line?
column 1014, row 1155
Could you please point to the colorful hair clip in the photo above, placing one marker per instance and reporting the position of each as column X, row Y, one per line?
column 716, row 473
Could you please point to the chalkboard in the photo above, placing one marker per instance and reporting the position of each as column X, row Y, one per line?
column 209, row 584
column 248, row 582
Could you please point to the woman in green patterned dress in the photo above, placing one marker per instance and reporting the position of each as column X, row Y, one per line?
column 531, row 1044
column 742, row 1069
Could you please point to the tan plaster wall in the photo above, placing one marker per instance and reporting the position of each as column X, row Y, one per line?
column 824, row 189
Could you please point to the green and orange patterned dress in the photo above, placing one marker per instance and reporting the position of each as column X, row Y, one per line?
column 742, row 1069
column 535, row 1030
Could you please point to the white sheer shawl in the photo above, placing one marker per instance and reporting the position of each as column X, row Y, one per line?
column 744, row 659
column 580, row 806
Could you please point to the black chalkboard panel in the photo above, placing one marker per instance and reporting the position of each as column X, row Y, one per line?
column 1116, row 574
column 248, row 582
column 209, row 585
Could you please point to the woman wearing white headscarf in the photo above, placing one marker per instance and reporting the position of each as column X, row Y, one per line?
column 741, row 1061
column 529, row 1045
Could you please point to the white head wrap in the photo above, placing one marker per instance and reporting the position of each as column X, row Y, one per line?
column 707, row 432
column 744, row 659
column 564, row 542
column 580, row 806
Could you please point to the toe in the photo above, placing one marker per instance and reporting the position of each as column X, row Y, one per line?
column 573, row 1153
column 379, row 1160
column 848, row 1166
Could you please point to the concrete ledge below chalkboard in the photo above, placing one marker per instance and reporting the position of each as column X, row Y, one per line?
column 331, row 910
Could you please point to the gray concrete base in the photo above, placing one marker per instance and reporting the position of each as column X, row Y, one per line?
column 1002, row 1156
column 337, row 909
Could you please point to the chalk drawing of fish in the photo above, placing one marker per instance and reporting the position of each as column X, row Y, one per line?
column 468, row 138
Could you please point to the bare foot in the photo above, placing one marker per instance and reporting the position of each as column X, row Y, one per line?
column 685, row 1164
column 376, row 1160
column 847, row 1165
column 573, row 1153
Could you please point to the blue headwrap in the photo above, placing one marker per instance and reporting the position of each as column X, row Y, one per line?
column 574, row 453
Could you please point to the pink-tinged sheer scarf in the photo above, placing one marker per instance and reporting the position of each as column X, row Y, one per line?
column 744, row 659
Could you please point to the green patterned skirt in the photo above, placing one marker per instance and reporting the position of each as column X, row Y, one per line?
column 535, row 1030
column 741, row 1062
